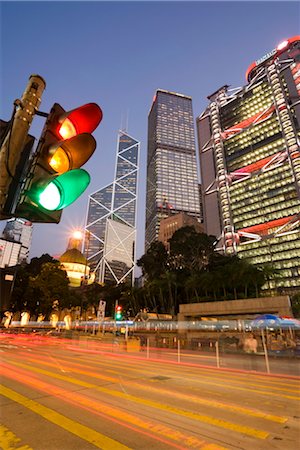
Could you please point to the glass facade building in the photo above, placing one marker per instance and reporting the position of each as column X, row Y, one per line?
column 111, row 218
column 250, row 166
column 19, row 230
column 172, row 181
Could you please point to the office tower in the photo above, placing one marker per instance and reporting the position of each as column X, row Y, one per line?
column 9, row 253
column 250, row 165
column 20, row 231
column 170, row 224
column 172, row 181
column 111, row 218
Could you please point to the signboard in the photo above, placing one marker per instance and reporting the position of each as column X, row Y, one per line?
column 101, row 310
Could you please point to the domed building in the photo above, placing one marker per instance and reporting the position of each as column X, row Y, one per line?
column 75, row 264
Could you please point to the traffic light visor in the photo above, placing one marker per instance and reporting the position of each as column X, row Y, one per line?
column 64, row 189
column 72, row 153
column 84, row 119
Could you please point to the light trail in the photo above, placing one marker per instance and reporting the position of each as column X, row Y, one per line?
column 75, row 368
column 110, row 413
column 88, row 434
column 191, row 415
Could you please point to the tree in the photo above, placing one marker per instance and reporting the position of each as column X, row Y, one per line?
column 191, row 250
column 22, row 297
column 295, row 301
column 154, row 262
column 50, row 285
column 35, row 265
column 193, row 270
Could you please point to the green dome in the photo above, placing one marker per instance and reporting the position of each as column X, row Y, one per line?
column 73, row 256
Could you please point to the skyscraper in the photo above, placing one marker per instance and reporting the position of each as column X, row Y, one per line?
column 172, row 181
column 250, row 165
column 19, row 230
column 111, row 218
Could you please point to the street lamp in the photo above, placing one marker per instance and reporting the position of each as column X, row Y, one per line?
column 86, row 251
column 77, row 234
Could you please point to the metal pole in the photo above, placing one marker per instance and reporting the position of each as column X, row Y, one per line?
column 148, row 349
column 265, row 351
column 115, row 325
column 178, row 350
column 15, row 141
column 217, row 354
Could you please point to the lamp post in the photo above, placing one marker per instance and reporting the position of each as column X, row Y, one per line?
column 86, row 251
column 86, row 248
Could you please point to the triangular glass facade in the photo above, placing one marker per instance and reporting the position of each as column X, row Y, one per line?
column 111, row 218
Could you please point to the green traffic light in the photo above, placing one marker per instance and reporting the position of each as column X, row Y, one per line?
column 64, row 189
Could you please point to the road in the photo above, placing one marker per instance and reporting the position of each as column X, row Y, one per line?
column 56, row 395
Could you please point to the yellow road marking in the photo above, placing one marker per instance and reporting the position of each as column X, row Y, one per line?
column 191, row 415
column 119, row 414
column 194, row 399
column 9, row 441
column 86, row 433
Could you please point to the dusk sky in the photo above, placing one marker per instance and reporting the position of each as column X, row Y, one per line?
column 117, row 54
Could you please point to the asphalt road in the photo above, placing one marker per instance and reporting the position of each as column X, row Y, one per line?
column 59, row 396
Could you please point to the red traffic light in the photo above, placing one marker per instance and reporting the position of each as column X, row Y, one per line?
column 84, row 119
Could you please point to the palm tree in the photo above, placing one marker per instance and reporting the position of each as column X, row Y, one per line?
column 192, row 284
column 171, row 282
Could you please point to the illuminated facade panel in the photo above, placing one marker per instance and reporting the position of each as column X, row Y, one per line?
column 118, row 253
column 250, row 166
column 116, row 202
column 172, row 181
column 19, row 230
column 9, row 253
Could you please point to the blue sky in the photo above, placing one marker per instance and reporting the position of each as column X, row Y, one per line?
column 117, row 54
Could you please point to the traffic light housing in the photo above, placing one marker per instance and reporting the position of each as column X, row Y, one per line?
column 55, row 178
column 118, row 313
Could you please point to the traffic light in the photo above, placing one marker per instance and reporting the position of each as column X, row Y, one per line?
column 55, row 178
column 16, row 144
column 118, row 313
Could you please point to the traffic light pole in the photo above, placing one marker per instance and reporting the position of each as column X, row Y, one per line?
column 16, row 139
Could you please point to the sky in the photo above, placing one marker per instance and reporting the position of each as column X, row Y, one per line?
column 117, row 54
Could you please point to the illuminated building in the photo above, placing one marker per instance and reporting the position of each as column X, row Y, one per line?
column 19, row 230
column 250, row 165
column 172, row 181
column 75, row 263
column 170, row 224
column 9, row 253
column 111, row 218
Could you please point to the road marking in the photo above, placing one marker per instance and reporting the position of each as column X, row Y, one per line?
column 118, row 415
column 58, row 364
column 191, row 355
column 253, row 432
column 206, row 379
column 209, row 372
column 88, row 434
column 9, row 441
column 194, row 399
